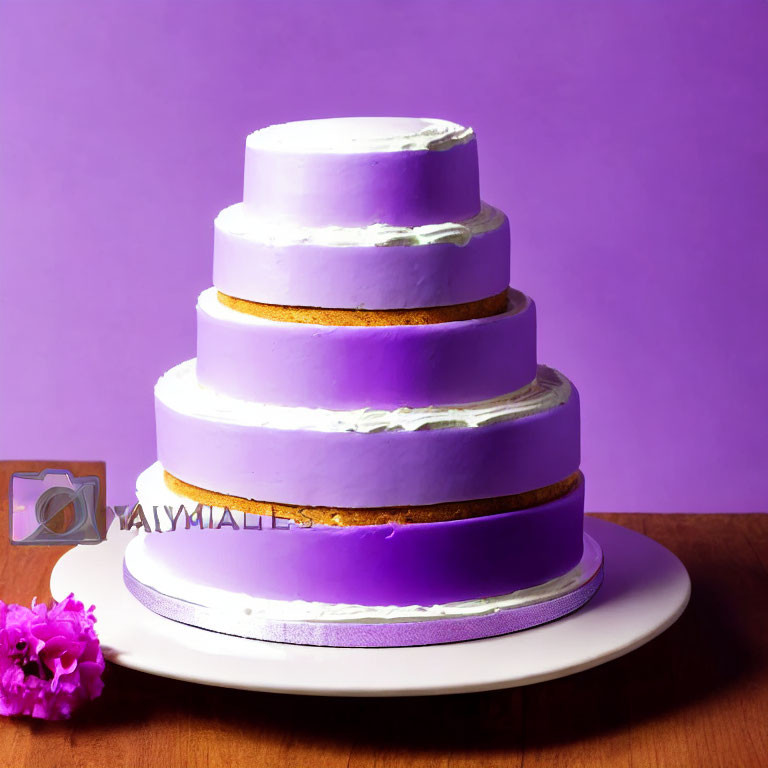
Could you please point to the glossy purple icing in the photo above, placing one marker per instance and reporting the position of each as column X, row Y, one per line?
column 416, row 564
column 358, row 469
column 403, row 188
column 366, row 277
column 353, row 367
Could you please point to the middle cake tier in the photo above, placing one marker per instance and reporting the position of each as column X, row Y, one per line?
column 367, row 458
column 341, row 367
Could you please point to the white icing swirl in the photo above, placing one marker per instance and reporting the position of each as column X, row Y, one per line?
column 180, row 391
column 235, row 222
column 352, row 135
column 151, row 571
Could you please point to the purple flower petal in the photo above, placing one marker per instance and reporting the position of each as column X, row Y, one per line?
column 50, row 659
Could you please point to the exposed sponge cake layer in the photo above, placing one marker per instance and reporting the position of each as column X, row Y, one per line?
column 433, row 513
column 474, row 310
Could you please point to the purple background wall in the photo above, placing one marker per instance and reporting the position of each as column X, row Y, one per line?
column 627, row 141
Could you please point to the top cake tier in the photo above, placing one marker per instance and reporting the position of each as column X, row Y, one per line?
column 358, row 171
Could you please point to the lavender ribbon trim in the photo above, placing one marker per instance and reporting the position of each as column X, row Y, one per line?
column 352, row 635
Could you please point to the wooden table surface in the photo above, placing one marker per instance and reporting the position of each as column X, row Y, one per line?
column 696, row 696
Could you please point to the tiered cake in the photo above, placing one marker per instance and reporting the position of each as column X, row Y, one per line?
column 366, row 393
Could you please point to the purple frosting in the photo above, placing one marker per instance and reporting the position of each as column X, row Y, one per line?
column 416, row 564
column 353, row 367
column 376, row 469
column 403, row 188
column 376, row 367
column 366, row 277
column 354, row 635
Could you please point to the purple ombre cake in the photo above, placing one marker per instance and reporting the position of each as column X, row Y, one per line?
column 366, row 448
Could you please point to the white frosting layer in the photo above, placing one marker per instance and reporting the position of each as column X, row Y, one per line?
column 235, row 222
column 349, row 135
column 152, row 572
column 180, row 390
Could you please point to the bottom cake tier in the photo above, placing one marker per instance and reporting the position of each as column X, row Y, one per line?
column 360, row 586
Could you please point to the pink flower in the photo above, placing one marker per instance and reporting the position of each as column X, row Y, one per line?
column 50, row 659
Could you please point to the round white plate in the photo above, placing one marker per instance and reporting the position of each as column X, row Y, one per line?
column 646, row 589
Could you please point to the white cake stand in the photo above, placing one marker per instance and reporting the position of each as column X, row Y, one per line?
column 646, row 589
